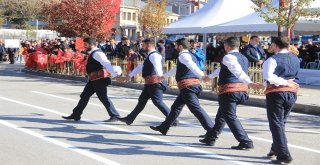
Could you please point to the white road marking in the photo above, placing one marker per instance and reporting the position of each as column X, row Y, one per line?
column 57, row 142
column 206, row 153
column 159, row 118
column 133, row 99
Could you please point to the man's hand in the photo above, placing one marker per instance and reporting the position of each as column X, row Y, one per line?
column 123, row 79
column 119, row 79
column 256, row 86
column 260, row 62
column 205, row 78
column 293, row 84
column 126, row 79
column 162, row 78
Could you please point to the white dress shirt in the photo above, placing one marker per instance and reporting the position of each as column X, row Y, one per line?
column 155, row 59
column 235, row 68
column 215, row 73
column 103, row 60
column 269, row 66
column 186, row 59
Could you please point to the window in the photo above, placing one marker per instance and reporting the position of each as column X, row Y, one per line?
column 129, row 16
column 168, row 21
column 134, row 16
column 171, row 20
column 5, row 22
column 124, row 16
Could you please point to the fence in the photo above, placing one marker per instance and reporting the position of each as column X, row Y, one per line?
column 255, row 72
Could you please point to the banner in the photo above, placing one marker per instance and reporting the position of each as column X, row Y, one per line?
column 12, row 43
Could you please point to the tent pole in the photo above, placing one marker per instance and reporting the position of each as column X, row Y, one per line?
column 204, row 46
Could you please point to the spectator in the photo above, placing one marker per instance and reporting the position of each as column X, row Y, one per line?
column 254, row 52
column 138, row 48
column 72, row 45
column 111, row 48
column 12, row 52
column 2, row 51
column 123, row 50
column 210, row 52
column 161, row 47
column 219, row 53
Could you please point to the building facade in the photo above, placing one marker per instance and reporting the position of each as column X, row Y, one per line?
column 186, row 7
column 127, row 21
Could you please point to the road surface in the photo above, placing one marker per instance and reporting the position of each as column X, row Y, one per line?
column 33, row 132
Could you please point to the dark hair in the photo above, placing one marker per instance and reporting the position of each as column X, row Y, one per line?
column 232, row 42
column 148, row 41
column 124, row 38
column 281, row 42
column 252, row 37
column 192, row 41
column 91, row 41
column 161, row 41
column 183, row 42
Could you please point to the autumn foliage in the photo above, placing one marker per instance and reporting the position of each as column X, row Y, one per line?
column 81, row 18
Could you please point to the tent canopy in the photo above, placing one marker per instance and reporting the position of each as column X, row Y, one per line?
column 215, row 12
column 253, row 23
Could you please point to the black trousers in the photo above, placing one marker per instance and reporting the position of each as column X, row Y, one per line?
column 227, row 114
column 189, row 97
column 100, row 88
column 12, row 58
column 155, row 92
column 1, row 57
column 279, row 106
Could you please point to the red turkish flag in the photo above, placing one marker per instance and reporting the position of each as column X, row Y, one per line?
column 41, row 60
column 60, row 57
column 52, row 59
column 68, row 55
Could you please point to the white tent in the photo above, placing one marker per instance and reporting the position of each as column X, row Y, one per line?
column 215, row 12
column 253, row 23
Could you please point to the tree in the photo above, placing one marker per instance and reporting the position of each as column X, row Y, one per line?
column 153, row 17
column 21, row 11
column 80, row 18
column 289, row 12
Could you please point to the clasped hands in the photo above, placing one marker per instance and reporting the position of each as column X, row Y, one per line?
column 123, row 79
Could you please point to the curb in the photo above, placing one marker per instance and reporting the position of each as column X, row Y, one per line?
column 253, row 101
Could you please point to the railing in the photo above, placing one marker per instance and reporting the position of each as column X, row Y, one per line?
column 67, row 68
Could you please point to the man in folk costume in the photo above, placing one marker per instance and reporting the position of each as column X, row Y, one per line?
column 280, row 73
column 98, row 69
column 233, row 87
column 188, row 75
column 152, row 71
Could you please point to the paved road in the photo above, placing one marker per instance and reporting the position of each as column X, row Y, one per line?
column 32, row 131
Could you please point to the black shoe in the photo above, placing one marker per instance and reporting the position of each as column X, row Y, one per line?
column 125, row 120
column 271, row 153
column 175, row 123
column 202, row 136
column 282, row 161
column 243, row 146
column 208, row 141
column 160, row 129
column 72, row 117
column 112, row 119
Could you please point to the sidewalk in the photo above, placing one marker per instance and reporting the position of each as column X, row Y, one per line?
column 308, row 96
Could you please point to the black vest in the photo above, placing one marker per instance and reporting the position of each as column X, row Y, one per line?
column 92, row 64
column 183, row 72
column 226, row 76
column 288, row 65
column 148, row 68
